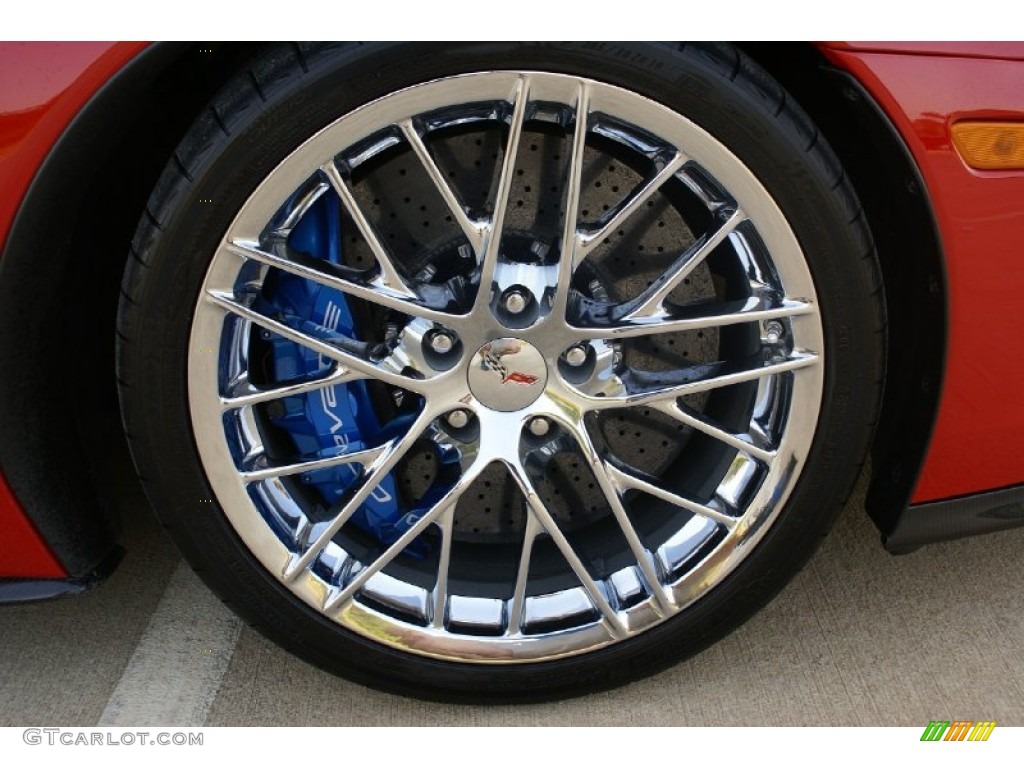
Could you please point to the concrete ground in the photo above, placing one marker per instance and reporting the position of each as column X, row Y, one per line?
column 859, row 638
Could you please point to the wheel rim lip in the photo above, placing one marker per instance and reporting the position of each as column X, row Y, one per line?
column 268, row 197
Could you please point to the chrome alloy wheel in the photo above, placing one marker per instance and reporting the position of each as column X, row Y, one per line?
column 522, row 344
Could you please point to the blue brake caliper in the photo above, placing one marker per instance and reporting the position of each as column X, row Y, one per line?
column 331, row 420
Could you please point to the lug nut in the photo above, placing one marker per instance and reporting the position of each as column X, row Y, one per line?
column 514, row 301
column 773, row 332
column 576, row 356
column 458, row 419
column 539, row 426
column 442, row 342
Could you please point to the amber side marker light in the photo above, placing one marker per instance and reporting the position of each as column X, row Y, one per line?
column 990, row 146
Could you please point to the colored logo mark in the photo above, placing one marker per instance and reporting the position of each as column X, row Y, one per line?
column 958, row 730
column 492, row 362
column 520, row 378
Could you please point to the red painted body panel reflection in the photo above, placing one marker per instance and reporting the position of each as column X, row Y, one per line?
column 978, row 50
column 975, row 446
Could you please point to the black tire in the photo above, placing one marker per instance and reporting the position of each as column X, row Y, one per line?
column 291, row 92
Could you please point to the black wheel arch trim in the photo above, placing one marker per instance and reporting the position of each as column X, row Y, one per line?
column 916, row 298
column 892, row 190
column 62, row 262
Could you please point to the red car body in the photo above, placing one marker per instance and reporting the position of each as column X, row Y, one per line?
column 952, row 410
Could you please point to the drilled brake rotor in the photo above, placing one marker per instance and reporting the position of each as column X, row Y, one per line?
column 404, row 207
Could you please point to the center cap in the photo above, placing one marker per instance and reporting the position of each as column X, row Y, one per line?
column 507, row 374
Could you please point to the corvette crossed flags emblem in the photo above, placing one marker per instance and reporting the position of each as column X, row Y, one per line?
column 492, row 362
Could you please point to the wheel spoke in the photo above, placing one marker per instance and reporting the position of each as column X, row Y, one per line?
column 473, row 230
column 515, row 613
column 613, row 621
column 743, row 443
column 347, row 359
column 376, row 291
column 590, row 240
column 446, row 521
column 691, row 381
column 341, row 597
column 698, row 318
column 651, row 301
column 252, row 475
column 244, row 394
column 613, row 494
column 492, row 238
column 373, row 474
column 631, row 479
column 570, row 236
column 300, row 208
column 389, row 276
